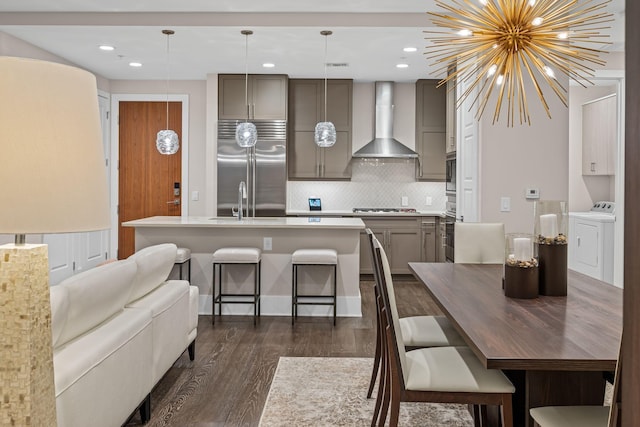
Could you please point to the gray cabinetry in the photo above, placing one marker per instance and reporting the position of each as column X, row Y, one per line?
column 431, row 130
column 267, row 97
column 402, row 239
column 429, row 237
column 599, row 136
column 451, row 118
column 306, row 108
column 441, row 241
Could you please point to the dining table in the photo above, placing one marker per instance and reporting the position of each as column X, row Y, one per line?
column 556, row 350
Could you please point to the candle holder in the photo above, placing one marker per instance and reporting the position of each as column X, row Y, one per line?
column 521, row 273
column 551, row 240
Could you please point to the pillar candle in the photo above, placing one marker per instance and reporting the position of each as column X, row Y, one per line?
column 549, row 225
column 522, row 248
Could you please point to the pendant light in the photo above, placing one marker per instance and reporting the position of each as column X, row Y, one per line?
column 325, row 134
column 167, row 141
column 246, row 132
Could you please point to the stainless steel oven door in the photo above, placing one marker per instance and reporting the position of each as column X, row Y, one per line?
column 450, row 223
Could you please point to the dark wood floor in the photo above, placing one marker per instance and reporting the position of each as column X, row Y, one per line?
column 229, row 380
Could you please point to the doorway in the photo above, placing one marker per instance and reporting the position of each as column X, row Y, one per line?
column 146, row 183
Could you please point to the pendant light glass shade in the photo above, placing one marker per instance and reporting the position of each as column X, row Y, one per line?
column 167, row 141
column 246, row 132
column 325, row 133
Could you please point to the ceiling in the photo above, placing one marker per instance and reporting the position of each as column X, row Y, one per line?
column 368, row 36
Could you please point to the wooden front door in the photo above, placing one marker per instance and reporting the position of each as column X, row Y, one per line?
column 146, row 178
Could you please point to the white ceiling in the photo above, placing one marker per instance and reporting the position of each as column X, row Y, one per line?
column 368, row 35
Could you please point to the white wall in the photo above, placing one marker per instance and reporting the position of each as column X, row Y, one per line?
column 513, row 159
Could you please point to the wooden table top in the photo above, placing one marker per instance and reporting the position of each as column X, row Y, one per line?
column 579, row 332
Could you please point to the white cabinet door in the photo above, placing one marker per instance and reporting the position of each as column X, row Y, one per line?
column 91, row 249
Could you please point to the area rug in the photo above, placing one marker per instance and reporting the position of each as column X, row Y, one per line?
column 323, row 391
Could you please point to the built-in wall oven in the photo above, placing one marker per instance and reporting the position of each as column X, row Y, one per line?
column 450, row 223
column 450, row 176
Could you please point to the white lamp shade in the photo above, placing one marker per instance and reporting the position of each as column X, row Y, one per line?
column 167, row 142
column 51, row 158
column 325, row 134
column 246, row 134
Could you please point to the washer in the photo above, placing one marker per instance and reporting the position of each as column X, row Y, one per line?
column 591, row 241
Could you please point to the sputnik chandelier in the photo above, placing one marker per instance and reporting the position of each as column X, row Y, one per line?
column 495, row 46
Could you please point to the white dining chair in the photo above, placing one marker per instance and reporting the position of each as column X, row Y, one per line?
column 417, row 331
column 478, row 243
column 583, row 416
column 436, row 374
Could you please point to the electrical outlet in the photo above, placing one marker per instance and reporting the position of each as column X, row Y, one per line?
column 405, row 201
column 429, row 201
column 267, row 244
column 195, row 195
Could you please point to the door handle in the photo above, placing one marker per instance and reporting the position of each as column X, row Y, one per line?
column 593, row 166
column 174, row 202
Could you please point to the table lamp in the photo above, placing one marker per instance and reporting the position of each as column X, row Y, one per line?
column 53, row 175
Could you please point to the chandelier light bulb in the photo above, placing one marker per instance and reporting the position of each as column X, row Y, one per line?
column 563, row 35
column 537, row 21
column 500, row 79
column 492, row 70
column 465, row 33
column 549, row 72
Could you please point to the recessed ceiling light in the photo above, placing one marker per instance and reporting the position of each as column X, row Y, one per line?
column 106, row 47
column 410, row 49
column 402, row 66
column 135, row 64
column 268, row 65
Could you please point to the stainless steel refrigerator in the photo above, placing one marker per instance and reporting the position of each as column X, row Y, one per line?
column 263, row 168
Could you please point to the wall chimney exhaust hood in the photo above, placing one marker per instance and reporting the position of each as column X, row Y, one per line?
column 384, row 146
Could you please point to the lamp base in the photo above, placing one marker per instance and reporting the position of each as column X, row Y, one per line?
column 26, row 355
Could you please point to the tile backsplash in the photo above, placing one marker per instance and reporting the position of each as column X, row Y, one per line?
column 374, row 183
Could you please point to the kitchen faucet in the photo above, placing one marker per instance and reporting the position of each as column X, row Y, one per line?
column 242, row 190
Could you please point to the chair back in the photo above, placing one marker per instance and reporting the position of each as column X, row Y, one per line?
column 478, row 243
column 391, row 310
column 614, row 410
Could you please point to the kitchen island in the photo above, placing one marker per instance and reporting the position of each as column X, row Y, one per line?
column 278, row 237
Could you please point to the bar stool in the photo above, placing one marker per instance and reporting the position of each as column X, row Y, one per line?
column 307, row 257
column 183, row 256
column 226, row 256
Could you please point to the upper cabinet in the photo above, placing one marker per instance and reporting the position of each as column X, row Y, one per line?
column 451, row 118
column 266, row 93
column 306, row 108
column 599, row 136
column 431, row 130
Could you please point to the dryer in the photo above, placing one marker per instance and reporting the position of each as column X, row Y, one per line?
column 591, row 241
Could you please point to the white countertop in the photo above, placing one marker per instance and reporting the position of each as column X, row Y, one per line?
column 350, row 213
column 260, row 222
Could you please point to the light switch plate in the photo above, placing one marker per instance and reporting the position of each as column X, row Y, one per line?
column 429, row 201
column 405, row 201
column 195, row 195
column 505, row 204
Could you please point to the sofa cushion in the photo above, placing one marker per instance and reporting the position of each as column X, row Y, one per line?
column 154, row 265
column 59, row 307
column 169, row 306
column 94, row 296
column 101, row 377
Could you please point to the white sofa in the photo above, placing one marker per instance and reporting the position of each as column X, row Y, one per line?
column 117, row 329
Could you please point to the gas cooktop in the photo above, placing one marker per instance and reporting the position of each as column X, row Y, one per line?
column 384, row 210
